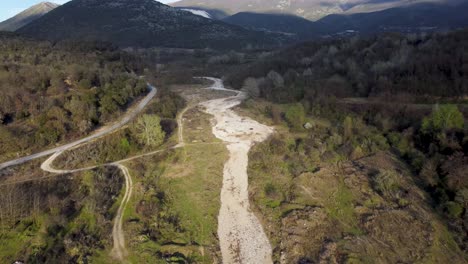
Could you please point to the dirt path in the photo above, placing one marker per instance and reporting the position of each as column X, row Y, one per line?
column 241, row 235
column 180, row 125
column 102, row 132
column 119, row 251
column 242, row 239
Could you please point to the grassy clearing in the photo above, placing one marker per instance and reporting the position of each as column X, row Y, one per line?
column 180, row 225
column 340, row 207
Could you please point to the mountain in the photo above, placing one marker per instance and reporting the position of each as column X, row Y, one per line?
column 309, row 9
column 280, row 23
column 197, row 12
column 211, row 13
column 141, row 23
column 415, row 18
column 27, row 16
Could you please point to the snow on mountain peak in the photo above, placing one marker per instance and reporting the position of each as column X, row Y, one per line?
column 198, row 12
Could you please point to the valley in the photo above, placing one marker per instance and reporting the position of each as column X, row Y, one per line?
column 286, row 132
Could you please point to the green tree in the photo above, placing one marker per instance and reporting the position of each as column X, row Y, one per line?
column 443, row 117
column 295, row 115
column 147, row 130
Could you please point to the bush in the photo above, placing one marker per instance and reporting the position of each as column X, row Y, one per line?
column 454, row 209
column 269, row 189
column 295, row 116
column 388, row 183
column 399, row 142
column 348, row 128
column 443, row 117
column 275, row 114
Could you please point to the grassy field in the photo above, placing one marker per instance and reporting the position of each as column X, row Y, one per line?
column 190, row 179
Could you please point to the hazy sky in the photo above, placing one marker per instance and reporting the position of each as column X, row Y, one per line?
column 9, row 8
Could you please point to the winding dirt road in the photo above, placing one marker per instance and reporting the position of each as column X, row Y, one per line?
column 119, row 251
column 241, row 236
column 242, row 239
column 127, row 118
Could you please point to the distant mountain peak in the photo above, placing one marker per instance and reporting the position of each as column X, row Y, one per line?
column 309, row 9
column 48, row 4
column 140, row 23
column 27, row 16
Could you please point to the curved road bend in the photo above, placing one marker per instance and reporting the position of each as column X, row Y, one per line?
column 129, row 116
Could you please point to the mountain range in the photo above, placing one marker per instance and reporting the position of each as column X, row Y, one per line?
column 27, row 16
column 309, row 9
column 414, row 18
column 148, row 23
column 141, row 23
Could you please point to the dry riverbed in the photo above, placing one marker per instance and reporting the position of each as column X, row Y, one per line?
column 242, row 239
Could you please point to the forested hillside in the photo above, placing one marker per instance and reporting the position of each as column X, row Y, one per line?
column 391, row 64
column 371, row 135
column 143, row 24
column 50, row 92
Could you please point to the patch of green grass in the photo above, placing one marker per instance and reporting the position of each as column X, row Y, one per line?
column 340, row 207
column 191, row 179
column 27, row 235
column 373, row 202
column 444, row 248
column 196, row 196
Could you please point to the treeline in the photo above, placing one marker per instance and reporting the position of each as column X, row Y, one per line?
column 391, row 64
column 50, row 91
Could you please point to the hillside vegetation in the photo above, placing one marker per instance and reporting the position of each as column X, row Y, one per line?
column 52, row 92
column 390, row 64
column 342, row 175
column 60, row 220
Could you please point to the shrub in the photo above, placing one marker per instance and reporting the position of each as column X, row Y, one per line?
column 348, row 128
column 269, row 189
column 400, row 143
column 275, row 113
column 443, row 117
column 417, row 159
column 454, row 209
column 429, row 174
column 295, row 116
column 388, row 183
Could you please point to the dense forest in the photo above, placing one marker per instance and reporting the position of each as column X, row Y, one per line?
column 419, row 65
column 52, row 91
